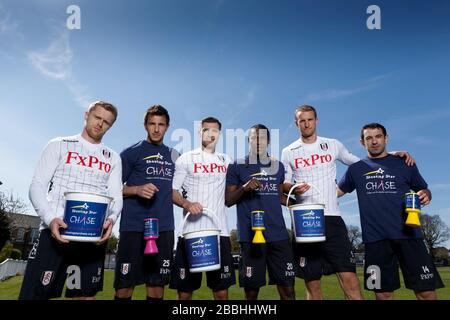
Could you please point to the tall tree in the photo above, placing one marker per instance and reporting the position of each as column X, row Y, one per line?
column 9, row 204
column 355, row 237
column 435, row 231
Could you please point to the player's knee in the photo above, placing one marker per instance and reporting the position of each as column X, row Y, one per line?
column 426, row 295
column 124, row 293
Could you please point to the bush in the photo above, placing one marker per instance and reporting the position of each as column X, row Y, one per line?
column 15, row 254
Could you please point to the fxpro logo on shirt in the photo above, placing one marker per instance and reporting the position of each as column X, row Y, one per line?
column 379, row 182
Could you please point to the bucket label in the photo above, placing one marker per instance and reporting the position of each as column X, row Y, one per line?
column 309, row 223
column 412, row 201
column 83, row 218
column 151, row 228
column 202, row 251
column 257, row 219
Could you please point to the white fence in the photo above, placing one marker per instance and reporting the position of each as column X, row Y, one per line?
column 10, row 268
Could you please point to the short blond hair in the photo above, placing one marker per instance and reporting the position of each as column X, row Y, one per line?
column 105, row 105
column 305, row 107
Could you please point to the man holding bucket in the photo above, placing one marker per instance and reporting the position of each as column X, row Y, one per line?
column 147, row 170
column 199, row 188
column 311, row 161
column 83, row 166
column 255, row 185
column 381, row 182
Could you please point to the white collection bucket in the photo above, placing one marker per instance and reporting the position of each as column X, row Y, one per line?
column 308, row 220
column 203, row 246
column 84, row 215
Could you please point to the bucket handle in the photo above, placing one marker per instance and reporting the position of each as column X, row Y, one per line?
column 297, row 185
column 209, row 213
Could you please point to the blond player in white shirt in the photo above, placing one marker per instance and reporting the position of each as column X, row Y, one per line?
column 75, row 163
column 311, row 160
column 199, row 182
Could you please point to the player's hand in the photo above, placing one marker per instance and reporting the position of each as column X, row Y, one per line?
column 424, row 197
column 409, row 160
column 54, row 226
column 194, row 208
column 302, row 188
column 107, row 229
column 251, row 185
column 146, row 191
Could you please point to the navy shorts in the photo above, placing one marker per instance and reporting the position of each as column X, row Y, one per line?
column 50, row 263
column 134, row 268
column 382, row 259
column 312, row 260
column 276, row 257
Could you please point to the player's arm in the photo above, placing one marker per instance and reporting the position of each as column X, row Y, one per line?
column 39, row 186
column 233, row 193
column 344, row 155
column 409, row 160
column 192, row 207
column 424, row 196
column 146, row 191
column 115, row 187
column 340, row 193
column 180, row 174
column 283, row 196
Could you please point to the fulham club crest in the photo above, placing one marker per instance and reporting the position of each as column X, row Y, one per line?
column 182, row 273
column 324, row 146
column 106, row 153
column 302, row 262
column 248, row 272
column 125, row 268
column 47, row 277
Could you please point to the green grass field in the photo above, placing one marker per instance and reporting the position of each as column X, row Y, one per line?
column 9, row 289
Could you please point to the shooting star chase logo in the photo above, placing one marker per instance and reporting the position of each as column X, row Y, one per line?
column 263, row 173
column 82, row 206
column 379, row 171
column 155, row 156
column 308, row 214
column 200, row 241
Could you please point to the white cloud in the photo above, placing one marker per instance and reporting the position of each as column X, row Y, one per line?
column 332, row 94
column 55, row 62
column 6, row 23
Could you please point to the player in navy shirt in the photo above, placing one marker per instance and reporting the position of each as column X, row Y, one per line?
column 147, row 173
column 255, row 183
column 381, row 182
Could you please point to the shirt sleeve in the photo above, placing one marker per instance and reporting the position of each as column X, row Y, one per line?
column 417, row 182
column 180, row 174
column 42, row 177
column 126, row 165
column 347, row 184
column 345, row 156
column 232, row 175
column 281, row 171
column 115, row 187
column 287, row 167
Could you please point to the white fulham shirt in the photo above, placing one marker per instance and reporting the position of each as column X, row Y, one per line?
column 74, row 164
column 201, row 177
column 315, row 164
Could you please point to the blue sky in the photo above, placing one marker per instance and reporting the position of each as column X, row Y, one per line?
column 244, row 62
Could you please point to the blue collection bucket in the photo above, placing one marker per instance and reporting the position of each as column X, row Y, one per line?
column 308, row 220
column 84, row 215
column 203, row 246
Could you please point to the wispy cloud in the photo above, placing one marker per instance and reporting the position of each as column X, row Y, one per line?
column 337, row 93
column 55, row 62
column 7, row 25
column 246, row 102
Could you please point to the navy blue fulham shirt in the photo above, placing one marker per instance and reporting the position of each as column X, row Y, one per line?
column 267, row 198
column 144, row 163
column 381, row 184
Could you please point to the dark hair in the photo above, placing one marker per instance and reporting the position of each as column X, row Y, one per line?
column 212, row 120
column 373, row 125
column 260, row 126
column 157, row 110
column 105, row 105
column 305, row 107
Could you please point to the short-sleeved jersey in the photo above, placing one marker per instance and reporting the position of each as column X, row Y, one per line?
column 266, row 198
column 381, row 184
column 74, row 164
column 315, row 163
column 144, row 163
column 200, row 177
